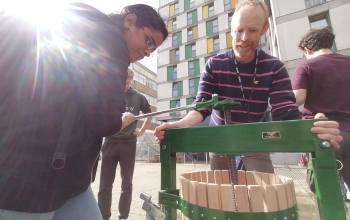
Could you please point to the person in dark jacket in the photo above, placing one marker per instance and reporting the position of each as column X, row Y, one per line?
column 61, row 92
column 121, row 148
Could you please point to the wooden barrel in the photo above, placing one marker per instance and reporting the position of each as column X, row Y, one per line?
column 256, row 192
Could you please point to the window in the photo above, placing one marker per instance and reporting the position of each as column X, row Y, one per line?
column 190, row 51
column 212, row 27
column 173, row 9
column 216, row 44
column 321, row 21
column 193, row 67
column 176, row 8
column 175, row 90
column 174, row 24
column 175, row 104
column 172, row 73
column 211, row 10
column 227, row 5
column 177, row 55
column 189, row 34
column 191, row 3
column 313, row 3
column 192, row 17
column 176, row 38
column 215, row 26
column 230, row 19
column 191, row 86
column 228, row 40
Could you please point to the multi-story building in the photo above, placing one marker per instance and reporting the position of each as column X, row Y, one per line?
column 198, row 30
column 145, row 81
column 290, row 20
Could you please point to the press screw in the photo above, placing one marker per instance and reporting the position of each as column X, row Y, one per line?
column 325, row 144
column 192, row 211
column 214, row 218
column 164, row 147
column 293, row 215
column 202, row 215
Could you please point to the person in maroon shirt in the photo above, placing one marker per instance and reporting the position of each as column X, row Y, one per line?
column 321, row 83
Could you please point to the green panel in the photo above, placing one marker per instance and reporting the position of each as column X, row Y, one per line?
column 196, row 67
column 180, row 88
column 189, row 101
column 188, row 51
column 170, row 73
column 172, row 105
column 209, row 28
column 179, row 38
column 187, row 4
column 194, row 17
column 196, row 84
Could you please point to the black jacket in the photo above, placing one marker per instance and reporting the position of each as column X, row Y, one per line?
column 86, row 60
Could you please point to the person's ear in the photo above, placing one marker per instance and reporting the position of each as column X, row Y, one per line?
column 130, row 21
column 308, row 51
column 266, row 27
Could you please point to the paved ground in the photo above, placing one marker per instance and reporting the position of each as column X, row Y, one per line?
column 147, row 179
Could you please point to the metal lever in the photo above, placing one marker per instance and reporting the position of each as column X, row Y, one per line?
column 152, row 209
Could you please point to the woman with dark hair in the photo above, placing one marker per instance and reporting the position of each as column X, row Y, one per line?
column 61, row 91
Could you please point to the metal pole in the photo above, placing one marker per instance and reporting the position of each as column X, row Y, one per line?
column 164, row 111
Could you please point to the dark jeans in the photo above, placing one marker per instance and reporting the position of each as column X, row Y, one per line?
column 112, row 154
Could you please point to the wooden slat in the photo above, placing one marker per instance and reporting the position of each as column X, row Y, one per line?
column 242, row 199
column 255, row 198
column 213, row 196
column 257, row 178
column 204, row 176
column 270, row 198
column 202, row 195
column 278, row 179
column 289, row 193
column 225, row 177
column 210, row 175
column 198, row 176
column 272, row 179
column 227, row 197
column 241, row 177
column 265, row 179
column 281, row 196
column 218, row 177
column 192, row 177
column 184, row 188
column 192, row 192
column 250, row 177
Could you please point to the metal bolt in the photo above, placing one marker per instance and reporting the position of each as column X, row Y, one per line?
column 325, row 144
column 164, row 147
column 160, row 216
column 185, row 207
column 293, row 215
column 214, row 218
column 285, row 218
column 202, row 215
column 192, row 211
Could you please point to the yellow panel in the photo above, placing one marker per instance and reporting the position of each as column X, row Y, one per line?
column 205, row 12
column 207, row 0
column 172, row 10
column 233, row 3
column 195, row 32
column 229, row 40
column 210, row 45
column 170, row 25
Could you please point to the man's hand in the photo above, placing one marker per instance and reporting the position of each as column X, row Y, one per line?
column 127, row 118
column 159, row 133
column 138, row 133
column 327, row 130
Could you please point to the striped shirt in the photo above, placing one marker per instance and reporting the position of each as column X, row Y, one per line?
column 219, row 76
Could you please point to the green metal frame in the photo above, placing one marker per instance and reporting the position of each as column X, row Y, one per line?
column 295, row 136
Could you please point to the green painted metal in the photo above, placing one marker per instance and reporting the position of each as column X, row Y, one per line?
column 209, row 27
column 283, row 136
column 173, row 105
column 196, row 84
column 179, row 38
column 194, row 212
